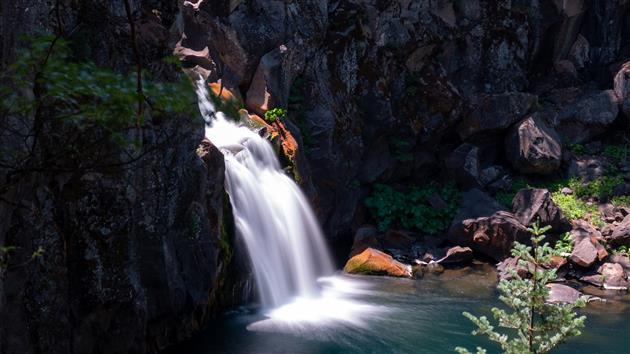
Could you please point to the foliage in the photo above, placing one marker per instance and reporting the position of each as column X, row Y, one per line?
column 573, row 207
column 273, row 114
column 622, row 250
column 84, row 93
column 578, row 149
column 598, row 188
column 621, row 201
column 563, row 245
column 617, row 153
column 410, row 208
column 532, row 325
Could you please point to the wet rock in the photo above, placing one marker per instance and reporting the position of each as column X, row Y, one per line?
column 457, row 255
column 587, row 250
column 463, row 164
column 562, row 294
column 375, row 262
column 530, row 205
column 532, row 146
column 497, row 112
column 621, row 235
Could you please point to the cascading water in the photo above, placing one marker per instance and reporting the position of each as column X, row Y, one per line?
column 292, row 267
column 271, row 214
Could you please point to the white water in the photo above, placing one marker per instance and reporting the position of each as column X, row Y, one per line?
column 271, row 214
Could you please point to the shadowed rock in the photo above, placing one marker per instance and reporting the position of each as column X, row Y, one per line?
column 533, row 147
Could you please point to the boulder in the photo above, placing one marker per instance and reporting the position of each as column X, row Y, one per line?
column 532, row 146
column 497, row 112
column 463, row 166
column 587, row 249
column 609, row 276
column 530, row 205
column 375, row 262
column 269, row 87
column 562, row 294
column 588, row 116
column 492, row 236
column 457, row 255
column 621, row 234
column 504, row 268
column 622, row 88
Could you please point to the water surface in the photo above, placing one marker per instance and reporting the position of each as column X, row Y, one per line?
column 390, row 315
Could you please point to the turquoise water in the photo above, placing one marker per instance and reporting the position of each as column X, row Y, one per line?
column 404, row 316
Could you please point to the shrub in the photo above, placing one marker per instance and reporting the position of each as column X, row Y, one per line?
column 410, row 208
column 273, row 114
column 533, row 325
column 573, row 207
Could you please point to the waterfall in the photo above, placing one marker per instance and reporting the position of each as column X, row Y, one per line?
column 272, row 216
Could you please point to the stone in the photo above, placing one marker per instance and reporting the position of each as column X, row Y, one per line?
column 530, row 205
column 474, row 204
column 375, row 262
column 511, row 263
column 497, row 112
column 268, row 88
column 532, row 147
column 463, row 165
column 610, row 276
column 579, row 53
column 492, row 236
column 588, row 116
column 622, row 88
column 621, row 235
column 562, row 294
column 587, row 168
column 457, row 255
column 586, row 250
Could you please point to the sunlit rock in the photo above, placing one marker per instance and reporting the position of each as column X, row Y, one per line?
column 375, row 262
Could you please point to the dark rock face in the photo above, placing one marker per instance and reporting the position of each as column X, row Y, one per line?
column 129, row 255
column 496, row 112
column 533, row 147
column 530, row 205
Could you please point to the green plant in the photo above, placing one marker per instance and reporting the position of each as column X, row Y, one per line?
column 573, row 207
column 598, row 188
column 578, row 149
column 617, row 153
column 622, row 250
column 564, row 245
column 273, row 114
column 621, row 201
column 410, row 208
column 533, row 325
